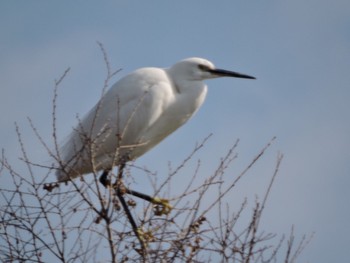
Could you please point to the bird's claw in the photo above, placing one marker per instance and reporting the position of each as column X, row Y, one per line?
column 162, row 206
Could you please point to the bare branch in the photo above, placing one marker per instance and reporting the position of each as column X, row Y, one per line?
column 83, row 222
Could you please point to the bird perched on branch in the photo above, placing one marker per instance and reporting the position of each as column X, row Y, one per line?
column 135, row 114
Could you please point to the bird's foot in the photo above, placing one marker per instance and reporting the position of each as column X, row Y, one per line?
column 161, row 206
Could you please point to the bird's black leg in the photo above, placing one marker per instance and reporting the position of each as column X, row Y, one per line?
column 162, row 206
column 104, row 178
column 119, row 189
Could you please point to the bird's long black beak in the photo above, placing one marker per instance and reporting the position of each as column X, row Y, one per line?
column 227, row 73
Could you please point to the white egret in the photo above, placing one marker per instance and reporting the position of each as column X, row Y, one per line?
column 138, row 112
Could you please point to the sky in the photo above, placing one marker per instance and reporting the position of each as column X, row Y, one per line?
column 299, row 51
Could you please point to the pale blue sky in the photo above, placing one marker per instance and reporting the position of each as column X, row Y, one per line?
column 298, row 50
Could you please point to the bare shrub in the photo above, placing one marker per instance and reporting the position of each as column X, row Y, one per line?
column 83, row 221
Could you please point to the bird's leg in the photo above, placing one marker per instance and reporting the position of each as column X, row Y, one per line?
column 120, row 173
column 118, row 186
column 162, row 206
column 104, row 180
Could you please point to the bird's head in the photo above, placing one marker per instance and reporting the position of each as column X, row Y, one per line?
column 201, row 69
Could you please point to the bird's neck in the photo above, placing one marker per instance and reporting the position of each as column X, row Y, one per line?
column 193, row 94
column 189, row 86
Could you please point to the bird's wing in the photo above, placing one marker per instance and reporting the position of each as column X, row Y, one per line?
column 122, row 118
column 122, row 122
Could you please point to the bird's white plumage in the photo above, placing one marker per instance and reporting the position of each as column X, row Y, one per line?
column 137, row 112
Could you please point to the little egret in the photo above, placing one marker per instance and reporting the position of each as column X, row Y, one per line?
column 135, row 114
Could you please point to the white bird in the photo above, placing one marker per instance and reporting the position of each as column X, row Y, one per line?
column 135, row 114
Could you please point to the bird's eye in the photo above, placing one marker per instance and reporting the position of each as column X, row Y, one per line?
column 203, row 67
